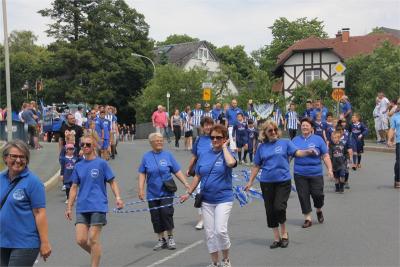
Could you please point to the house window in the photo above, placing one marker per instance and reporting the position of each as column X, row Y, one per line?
column 312, row 75
column 203, row 53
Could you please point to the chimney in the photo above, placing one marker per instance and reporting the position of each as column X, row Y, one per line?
column 339, row 34
column 345, row 35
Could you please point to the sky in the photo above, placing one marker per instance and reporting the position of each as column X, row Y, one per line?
column 228, row 22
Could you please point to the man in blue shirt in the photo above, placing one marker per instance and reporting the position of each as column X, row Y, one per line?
column 91, row 175
column 216, row 111
column 345, row 109
column 319, row 108
column 395, row 128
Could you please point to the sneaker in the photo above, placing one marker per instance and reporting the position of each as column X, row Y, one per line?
column 199, row 225
column 226, row 263
column 341, row 190
column 161, row 244
column 63, row 188
column 213, row 265
column 347, row 186
column 337, row 190
column 171, row 243
column 66, row 201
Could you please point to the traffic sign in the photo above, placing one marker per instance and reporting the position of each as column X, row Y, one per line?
column 339, row 68
column 207, row 94
column 337, row 94
column 338, row 81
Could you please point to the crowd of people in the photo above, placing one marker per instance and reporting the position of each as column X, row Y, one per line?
column 219, row 140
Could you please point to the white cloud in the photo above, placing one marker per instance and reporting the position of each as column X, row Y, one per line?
column 230, row 22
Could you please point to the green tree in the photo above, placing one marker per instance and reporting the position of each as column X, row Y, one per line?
column 284, row 34
column 183, row 86
column 177, row 39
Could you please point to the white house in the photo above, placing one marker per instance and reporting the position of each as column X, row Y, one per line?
column 314, row 58
column 190, row 55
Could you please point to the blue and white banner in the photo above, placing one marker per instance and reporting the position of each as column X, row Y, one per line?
column 263, row 110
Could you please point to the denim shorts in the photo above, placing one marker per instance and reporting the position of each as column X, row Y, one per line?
column 91, row 218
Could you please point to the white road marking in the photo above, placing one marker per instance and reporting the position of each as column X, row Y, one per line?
column 176, row 254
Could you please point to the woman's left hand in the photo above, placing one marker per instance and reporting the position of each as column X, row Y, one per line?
column 184, row 197
column 45, row 250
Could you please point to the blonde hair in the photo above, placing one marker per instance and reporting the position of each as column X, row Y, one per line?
column 93, row 136
column 263, row 136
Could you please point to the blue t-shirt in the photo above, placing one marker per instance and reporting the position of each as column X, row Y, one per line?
column 310, row 165
column 67, row 167
column 17, row 222
column 273, row 158
column 216, row 177
column 155, row 164
column 319, row 128
column 106, row 127
column 346, row 106
column 395, row 124
column 215, row 113
column 324, row 113
column 91, row 177
column 27, row 116
column 231, row 115
column 252, row 134
column 202, row 144
column 240, row 132
column 329, row 129
column 98, row 125
column 358, row 129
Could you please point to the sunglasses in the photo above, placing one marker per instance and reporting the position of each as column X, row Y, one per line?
column 15, row 157
column 70, row 148
column 86, row 144
column 216, row 137
column 273, row 130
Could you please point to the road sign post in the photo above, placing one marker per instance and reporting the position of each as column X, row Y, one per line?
column 207, row 91
column 337, row 94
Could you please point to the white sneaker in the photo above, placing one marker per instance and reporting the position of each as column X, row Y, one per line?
column 63, row 188
column 199, row 225
column 226, row 263
column 171, row 243
column 161, row 244
column 66, row 201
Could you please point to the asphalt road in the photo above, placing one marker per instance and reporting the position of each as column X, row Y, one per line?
column 361, row 227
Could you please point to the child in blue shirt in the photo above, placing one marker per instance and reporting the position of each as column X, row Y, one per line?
column 358, row 133
column 252, row 134
column 67, row 163
column 240, row 133
column 319, row 126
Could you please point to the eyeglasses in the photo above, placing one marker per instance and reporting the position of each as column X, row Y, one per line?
column 216, row 137
column 15, row 157
column 273, row 130
column 86, row 144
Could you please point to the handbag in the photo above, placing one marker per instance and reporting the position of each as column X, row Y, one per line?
column 14, row 184
column 169, row 185
column 198, row 199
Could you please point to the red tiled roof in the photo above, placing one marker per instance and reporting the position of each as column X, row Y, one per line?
column 356, row 45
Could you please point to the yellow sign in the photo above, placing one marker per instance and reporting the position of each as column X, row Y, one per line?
column 207, row 94
column 339, row 68
column 337, row 94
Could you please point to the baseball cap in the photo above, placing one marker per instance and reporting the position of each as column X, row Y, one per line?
column 206, row 105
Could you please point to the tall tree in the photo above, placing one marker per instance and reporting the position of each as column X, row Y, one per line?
column 285, row 33
column 177, row 39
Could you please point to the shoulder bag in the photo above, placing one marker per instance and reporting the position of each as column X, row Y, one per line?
column 169, row 184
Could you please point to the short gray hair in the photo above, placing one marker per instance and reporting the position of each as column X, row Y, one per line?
column 153, row 136
column 18, row 144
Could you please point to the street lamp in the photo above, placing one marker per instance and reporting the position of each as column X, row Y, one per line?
column 168, row 96
column 149, row 59
column 7, row 65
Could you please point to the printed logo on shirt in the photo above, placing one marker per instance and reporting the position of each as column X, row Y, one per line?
column 19, row 194
column 311, row 145
column 163, row 163
column 94, row 173
column 69, row 166
column 219, row 163
column 278, row 150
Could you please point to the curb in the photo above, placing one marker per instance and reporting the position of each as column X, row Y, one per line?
column 379, row 149
column 53, row 181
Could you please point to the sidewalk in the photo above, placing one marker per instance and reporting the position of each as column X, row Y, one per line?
column 371, row 145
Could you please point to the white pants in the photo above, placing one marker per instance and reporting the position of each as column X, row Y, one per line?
column 215, row 217
column 232, row 142
column 377, row 122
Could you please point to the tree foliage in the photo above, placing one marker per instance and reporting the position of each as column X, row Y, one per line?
column 177, row 39
column 284, row 34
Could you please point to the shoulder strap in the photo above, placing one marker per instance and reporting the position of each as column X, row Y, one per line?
column 14, row 184
column 209, row 173
column 159, row 172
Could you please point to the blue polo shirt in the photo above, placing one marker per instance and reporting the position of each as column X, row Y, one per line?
column 215, row 113
column 231, row 114
column 106, row 127
column 202, row 144
column 17, row 222
column 155, row 164
column 395, row 124
column 310, row 165
column 346, row 106
column 273, row 158
column 324, row 113
column 91, row 177
column 216, row 177
column 98, row 125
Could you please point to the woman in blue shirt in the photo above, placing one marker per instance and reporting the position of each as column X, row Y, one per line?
column 214, row 169
column 157, row 167
column 23, row 221
column 308, row 174
column 272, row 157
column 91, row 175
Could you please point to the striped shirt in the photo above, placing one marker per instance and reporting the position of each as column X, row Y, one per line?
column 292, row 120
column 186, row 123
column 250, row 116
column 208, row 114
column 196, row 116
column 277, row 118
column 112, row 119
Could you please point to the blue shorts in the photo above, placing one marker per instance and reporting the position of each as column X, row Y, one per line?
column 91, row 218
column 106, row 144
column 339, row 173
column 358, row 146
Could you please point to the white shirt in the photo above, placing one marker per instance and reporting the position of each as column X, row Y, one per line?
column 78, row 118
column 383, row 105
